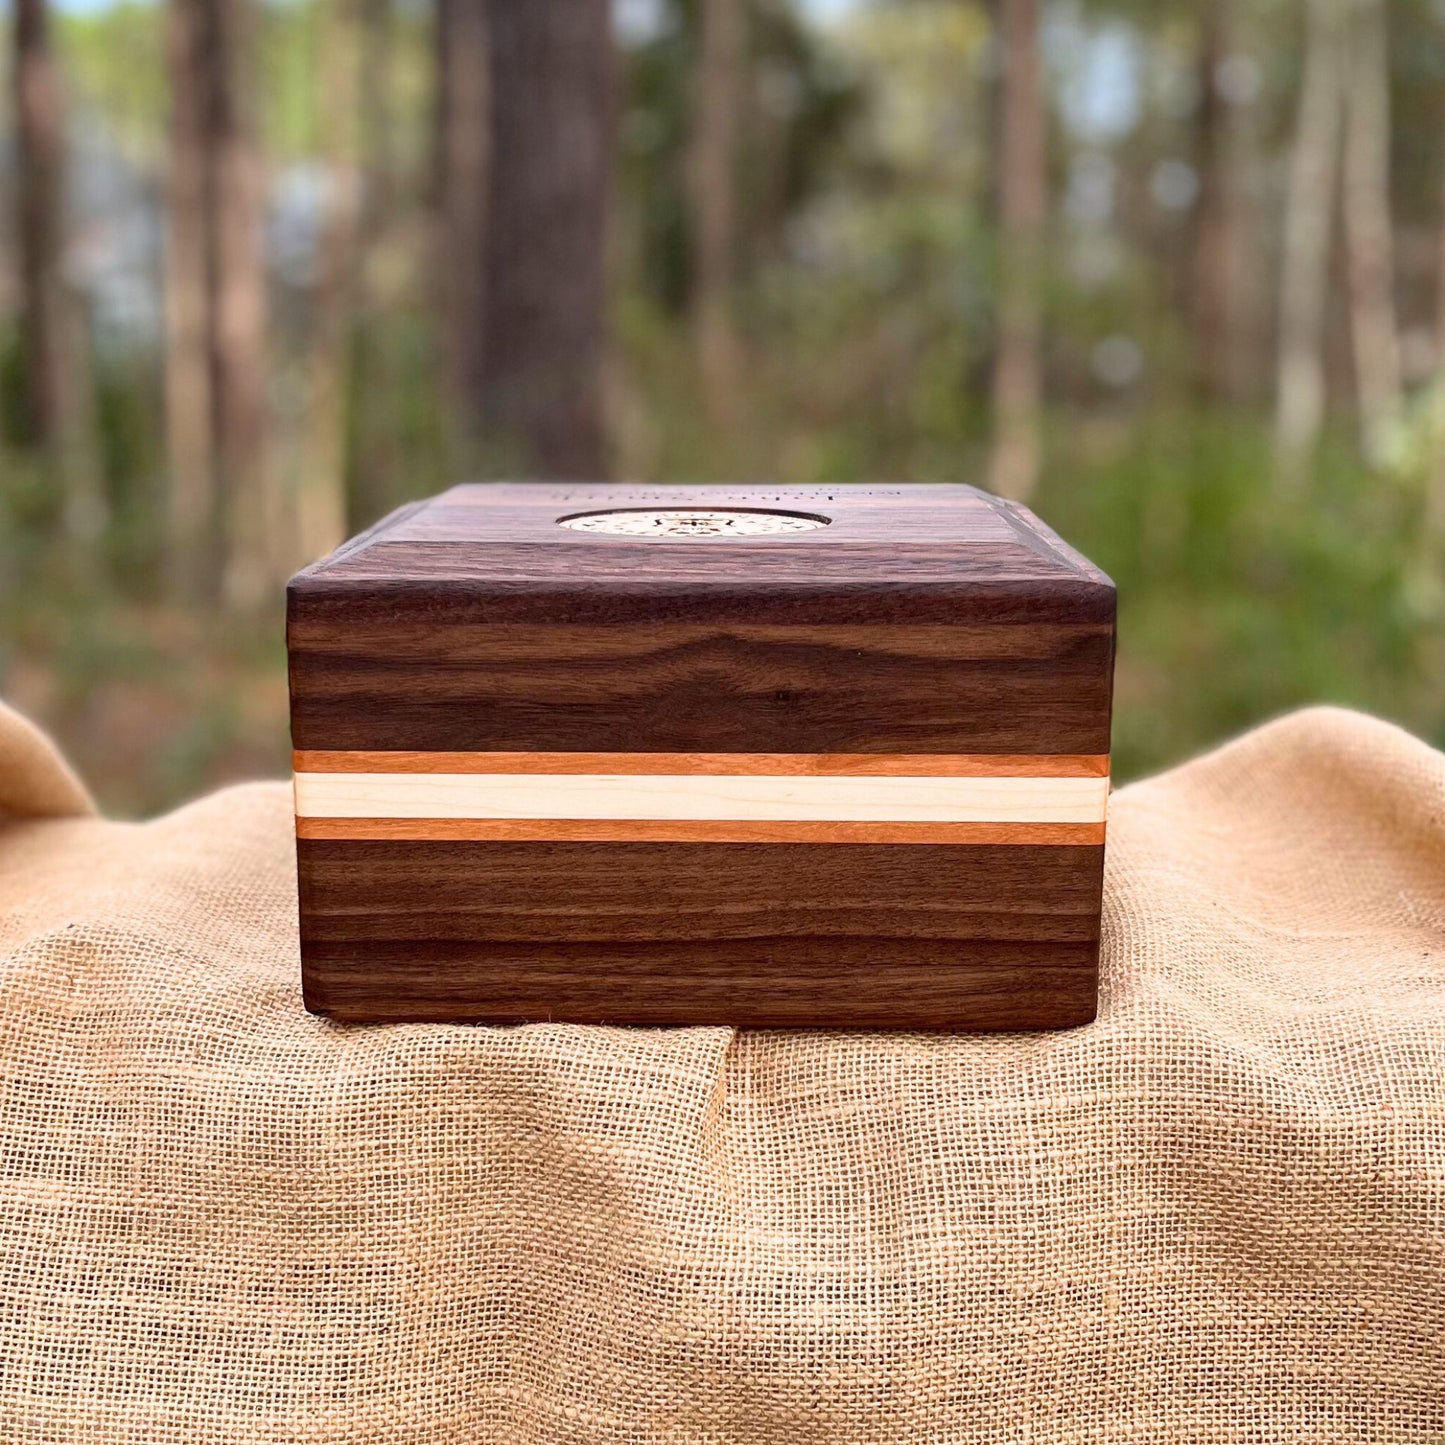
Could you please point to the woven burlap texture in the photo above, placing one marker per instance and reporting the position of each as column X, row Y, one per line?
column 1217, row 1214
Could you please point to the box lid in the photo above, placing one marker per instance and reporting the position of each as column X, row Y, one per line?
column 676, row 537
column 924, row 618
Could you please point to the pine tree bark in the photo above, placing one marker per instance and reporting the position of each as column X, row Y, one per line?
column 1219, row 299
column 1309, row 208
column 1369, row 232
column 1432, row 530
column 714, row 201
column 321, row 487
column 544, row 310
column 51, row 354
column 463, row 148
column 1022, row 189
column 194, row 544
column 227, row 523
column 255, row 521
column 372, row 463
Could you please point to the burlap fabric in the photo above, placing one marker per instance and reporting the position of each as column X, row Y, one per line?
column 1218, row 1214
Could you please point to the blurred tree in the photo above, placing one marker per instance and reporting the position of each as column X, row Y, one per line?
column 54, row 363
column 194, row 551
column 1219, row 271
column 1369, row 232
column 461, row 148
column 40, row 144
column 1022, row 187
column 543, row 321
column 717, row 87
column 321, row 487
column 1308, row 229
column 226, row 524
column 371, row 440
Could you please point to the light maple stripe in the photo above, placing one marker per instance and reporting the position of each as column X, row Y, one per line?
column 762, row 798
column 946, row 765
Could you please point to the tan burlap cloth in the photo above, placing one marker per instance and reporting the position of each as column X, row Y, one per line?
column 1218, row 1214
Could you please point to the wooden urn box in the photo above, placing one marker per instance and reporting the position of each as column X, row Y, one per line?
column 776, row 757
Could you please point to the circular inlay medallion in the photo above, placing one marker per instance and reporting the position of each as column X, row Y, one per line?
column 671, row 523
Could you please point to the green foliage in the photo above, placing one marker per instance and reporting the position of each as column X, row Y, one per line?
column 1238, row 600
column 114, row 68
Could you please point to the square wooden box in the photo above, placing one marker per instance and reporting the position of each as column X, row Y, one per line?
column 766, row 756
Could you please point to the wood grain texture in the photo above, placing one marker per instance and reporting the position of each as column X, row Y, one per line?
column 785, row 935
column 692, row 830
column 925, row 633
column 853, row 983
column 1012, row 765
column 424, row 674
column 984, row 635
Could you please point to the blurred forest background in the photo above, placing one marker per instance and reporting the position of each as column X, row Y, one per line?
column 1173, row 273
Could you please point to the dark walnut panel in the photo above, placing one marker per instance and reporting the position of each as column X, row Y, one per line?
column 602, row 892
column 403, row 677
column 868, row 936
column 852, row 983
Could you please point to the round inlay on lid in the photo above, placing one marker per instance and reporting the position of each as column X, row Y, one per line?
column 672, row 523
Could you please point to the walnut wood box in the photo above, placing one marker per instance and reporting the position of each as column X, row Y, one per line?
column 770, row 757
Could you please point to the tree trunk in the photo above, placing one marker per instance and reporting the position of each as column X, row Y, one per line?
column 1309, row 207
column 372, row 462
column 1432, row 530
column 194, row 545
column 1022, row 202
column 714, row 192
column 221, row 494
column 254, row 522
column 1219, row 280
column 321, row 489
column 544, row 313
column 51, row 354
column 463, row 146
column 1369, row 236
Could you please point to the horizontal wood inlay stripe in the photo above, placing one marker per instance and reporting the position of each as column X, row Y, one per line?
column 935, row 765
column 684, row 830
column 695, row 796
